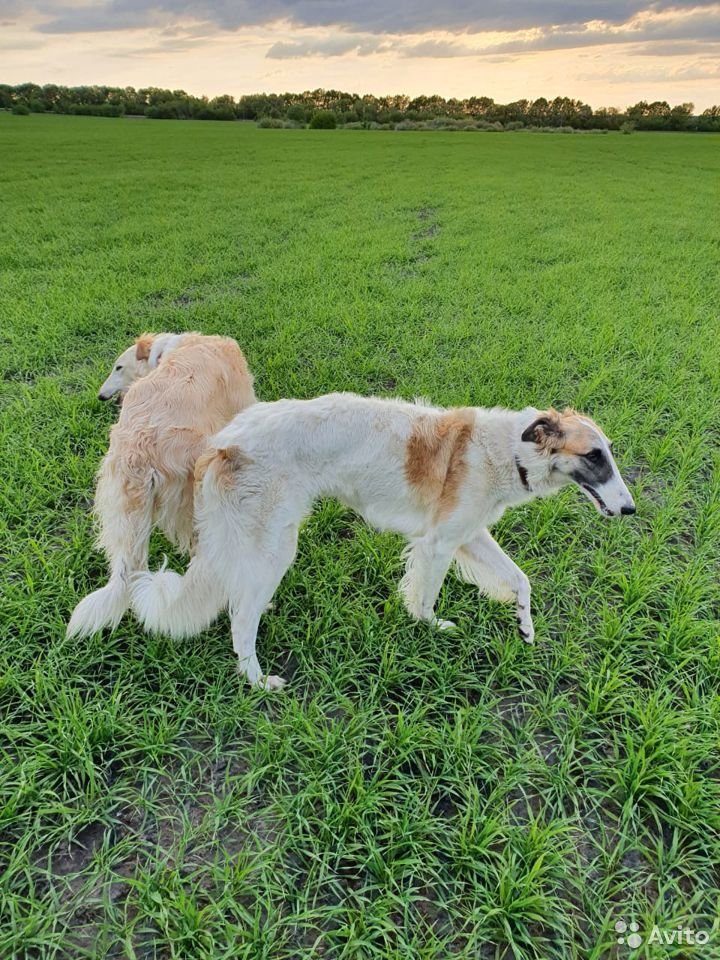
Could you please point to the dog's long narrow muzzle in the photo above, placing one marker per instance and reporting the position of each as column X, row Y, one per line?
column 611, row 499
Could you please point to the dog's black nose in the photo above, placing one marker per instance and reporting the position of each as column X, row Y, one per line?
column 627, row 510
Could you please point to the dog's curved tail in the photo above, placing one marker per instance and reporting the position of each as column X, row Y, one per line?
column 180, row 606
column 123, row 515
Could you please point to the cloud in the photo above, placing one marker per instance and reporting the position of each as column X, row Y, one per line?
column 11, row 8
column 676, row 48
column 369, row 16
column 12, row 43
column 177, row 45
column 491, row 31
column 334, row 46
column 438, row 49
column 696, row 24
column 671, row 34
column 364, row 45
column 701, row 70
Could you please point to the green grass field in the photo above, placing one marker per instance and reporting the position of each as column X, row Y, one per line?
column 410, row 794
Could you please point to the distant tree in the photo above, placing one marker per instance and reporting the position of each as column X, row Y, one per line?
column 21, row 109
column 163, row 111
column 212, row 112
column 680, row 116
column 709, row 120
column 297, row 113
column 351, row 109
column 27, row 91
column 538, row 111
column 479, row 106
column 367, row 108
column 51, row 95
column 432, row 106
column 516, row 112
column 154, row 96
column 323, row 120
column 606, row 118
column 654, row 116
column 97, row 109
column 225, row 104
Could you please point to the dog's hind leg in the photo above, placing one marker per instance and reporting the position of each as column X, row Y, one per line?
column 174, row 512
column 124, row 514
column 260, row 575
column 427, row 562
column 484, row 563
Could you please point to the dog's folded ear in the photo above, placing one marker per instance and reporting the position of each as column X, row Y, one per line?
column 545, row 431
column 143, row 346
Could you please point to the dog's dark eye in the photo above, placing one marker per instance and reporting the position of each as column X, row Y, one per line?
column 595, row 456
column 119, row 367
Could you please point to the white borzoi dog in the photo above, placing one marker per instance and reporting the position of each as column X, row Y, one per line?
column 179, row 390
column 439, row 477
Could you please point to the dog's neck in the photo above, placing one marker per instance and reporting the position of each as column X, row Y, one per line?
column 532, row 469
column 532, row 476
column 523, row 474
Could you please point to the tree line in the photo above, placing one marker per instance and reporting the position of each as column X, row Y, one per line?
column 334, row 107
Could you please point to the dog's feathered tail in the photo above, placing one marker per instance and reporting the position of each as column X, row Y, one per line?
column 123, row 516
column 100, row 609
column 180, row 606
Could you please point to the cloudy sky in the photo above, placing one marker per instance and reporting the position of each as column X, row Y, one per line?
column 606, row 52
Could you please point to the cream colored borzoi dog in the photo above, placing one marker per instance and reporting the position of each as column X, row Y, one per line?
column 439, row 477
column 179, row 390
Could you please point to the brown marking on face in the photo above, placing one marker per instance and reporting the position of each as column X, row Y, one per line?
column 578, row 434
column 435, row 463
column 568, row 432
column 143, row 345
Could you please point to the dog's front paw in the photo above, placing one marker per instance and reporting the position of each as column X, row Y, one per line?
column 444, row 624
column 271, row 683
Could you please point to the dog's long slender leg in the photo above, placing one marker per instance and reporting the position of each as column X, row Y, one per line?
column 427, row 563
column 244, row 620
column 484, row 563
column 263, row 575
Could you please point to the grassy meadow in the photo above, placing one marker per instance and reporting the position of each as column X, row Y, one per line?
column 410, row 794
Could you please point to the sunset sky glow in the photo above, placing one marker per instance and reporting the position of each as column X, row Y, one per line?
column 606, row 52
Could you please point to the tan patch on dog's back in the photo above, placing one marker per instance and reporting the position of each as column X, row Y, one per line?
column 224, row 463
column 435, row 462
column 202, row 464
